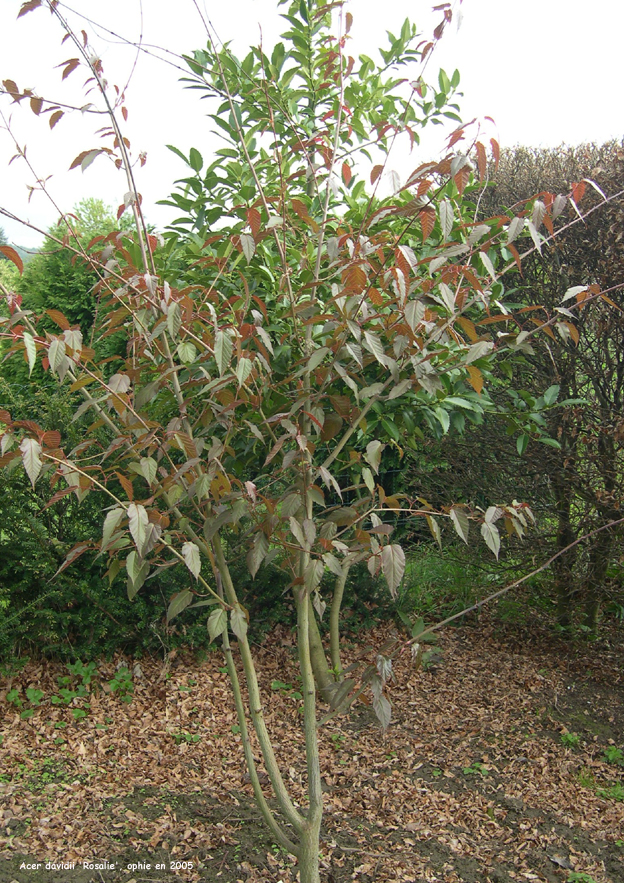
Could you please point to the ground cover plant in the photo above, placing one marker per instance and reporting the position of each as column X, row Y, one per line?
column 284, row 338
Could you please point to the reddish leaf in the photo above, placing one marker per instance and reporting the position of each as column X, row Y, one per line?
column 64, row 492
column 475, row 378
column 456, row 136
column 51, row 439
column 300, row 208
column 5, row 417
column 468, row 327
column 12, row 255
column 55, row 118
column 5, row 459
column 126, row 485
column 578, row 190
column 347, row 174
column 81, row 156
column 124, row 112
column 11, row 87
column 461, row 178
column 355, row 279
column 36, row 104
column 28, row 7
column 254, row 220
column 78, row 550
column 481, row 160
column 516, row 256
column 376, row 172
column 495, row 151
column 59, row 318
column 427, row 221
column 70, row 65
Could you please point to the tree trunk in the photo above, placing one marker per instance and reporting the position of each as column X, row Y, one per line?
column 564, row 565
column 599, row 556
column 309, row 851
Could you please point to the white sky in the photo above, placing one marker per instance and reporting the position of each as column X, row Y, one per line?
column 547, row 71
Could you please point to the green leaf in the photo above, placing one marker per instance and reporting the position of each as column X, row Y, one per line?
column 56, row 354
column 178, row 603
column 522, row 443
column 192, row 558
column 443, row 418
column 110, row 523
column 137, row 571
column 317, row 357
column 434, row 527
column 313, row 574
column 373, row 454
column 460, row 522
column 297, row 531
column 552, row 394
column 400, row 388
column 138, row 521
column 238, row 621
column 333, row 564
column 445, row 210
column 393, row 566
column 31, row 458
column 217, row 623
column 490, row 534
column 257, row 553
column 31, row 350
column 174, row 319
column 243, row 370
column 148, row 468
column 248, row 245
column 187, row 352
column 195, row 160
column 368, row 479
column 223, row 351
column 382, row 709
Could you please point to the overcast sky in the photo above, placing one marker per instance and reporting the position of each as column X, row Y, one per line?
column 547, row 71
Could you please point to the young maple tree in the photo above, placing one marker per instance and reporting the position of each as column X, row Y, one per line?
column 278, row 336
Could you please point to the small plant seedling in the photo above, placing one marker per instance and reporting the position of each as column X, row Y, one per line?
column 34, row 696
column 570, row 740
column 586, row 778
column 612, row 792
column 337, row 740
column 475, row 769
column 579, row 877
column 186, row 737
column 78, row 713
column 235, row 729
column 286, row 689
column 85, row 672
column 13, row 698
column 614, row 755
column 122, row 685
column 436, row 773
column 620, row 843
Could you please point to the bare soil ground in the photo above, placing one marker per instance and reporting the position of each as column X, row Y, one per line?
column 472, row 782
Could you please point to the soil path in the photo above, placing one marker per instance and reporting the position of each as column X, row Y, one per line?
column 501, row 764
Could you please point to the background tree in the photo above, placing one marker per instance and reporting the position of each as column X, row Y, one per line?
column 583, row 361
